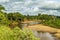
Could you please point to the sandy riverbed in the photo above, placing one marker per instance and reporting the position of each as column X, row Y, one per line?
column 44, row 28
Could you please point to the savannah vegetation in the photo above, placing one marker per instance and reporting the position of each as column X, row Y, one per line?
column 49, row 20
column 10, row 28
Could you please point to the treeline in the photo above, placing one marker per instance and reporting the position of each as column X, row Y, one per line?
column 49, row 20
column 16, row 18
column 10, row 29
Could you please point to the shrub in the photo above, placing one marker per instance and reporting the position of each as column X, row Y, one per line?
column 16, row 34
column 3, row 19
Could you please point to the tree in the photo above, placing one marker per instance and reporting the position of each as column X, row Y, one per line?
column 2, row 8
column 3, row 19
column 15, row 16
column 10, row 16
column 18, row 16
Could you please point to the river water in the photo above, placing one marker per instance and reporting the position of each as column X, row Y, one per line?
column 41, row 35
column 45, row 35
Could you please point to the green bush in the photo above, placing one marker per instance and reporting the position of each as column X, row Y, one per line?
column 16, row 34
column 3, row 19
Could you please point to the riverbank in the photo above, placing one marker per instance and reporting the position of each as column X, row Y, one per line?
column 43, row 28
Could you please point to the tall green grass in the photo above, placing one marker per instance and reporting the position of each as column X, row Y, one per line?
column 16, row 34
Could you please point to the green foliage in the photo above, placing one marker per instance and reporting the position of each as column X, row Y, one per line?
column 49, row 20
column 15, row 16
column 16, row 34
column 3, row 19
column 31, row 17
column 52, row 21
column 1, row 8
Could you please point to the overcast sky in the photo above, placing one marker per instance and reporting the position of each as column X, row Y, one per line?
column 32, row 6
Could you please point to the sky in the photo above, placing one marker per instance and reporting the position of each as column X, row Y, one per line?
column 32, row 7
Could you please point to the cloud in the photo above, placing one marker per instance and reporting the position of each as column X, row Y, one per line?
column 36, row 9
column 2, row 1
column 51, row 5
column 18, row 3
column 34, row 6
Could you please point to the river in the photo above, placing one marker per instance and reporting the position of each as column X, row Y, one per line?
column 41, row 35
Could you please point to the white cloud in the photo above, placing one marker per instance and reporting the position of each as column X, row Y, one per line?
column 28, row 2
column 36, row 9
column 50, row 1
column 50, row 4
column 18, row 2
column 32, row 6
column 1, row 1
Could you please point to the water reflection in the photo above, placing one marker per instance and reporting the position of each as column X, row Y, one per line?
column 43, row 35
